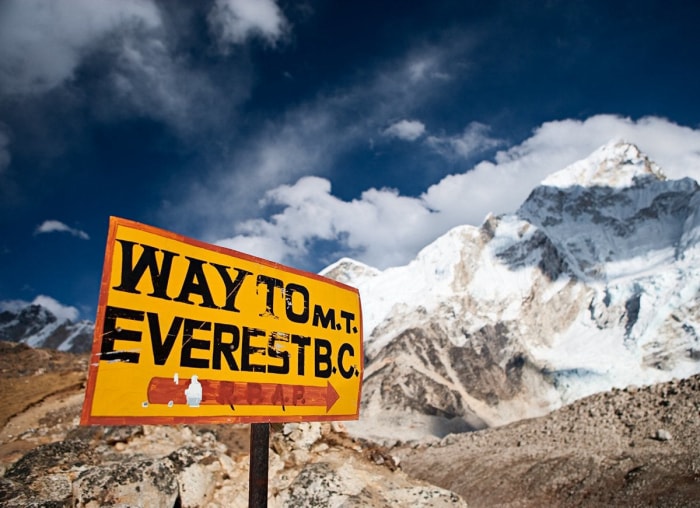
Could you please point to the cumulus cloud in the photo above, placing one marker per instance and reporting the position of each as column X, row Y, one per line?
column 54, row 226
column 229, row 193
column 383, row 228
column 473, row 140
column 409, row 130
column 234, row 21
column 370, row 224
column 42, row 42
column 501, row 185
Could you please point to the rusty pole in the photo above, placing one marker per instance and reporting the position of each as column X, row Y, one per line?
column 259, row 455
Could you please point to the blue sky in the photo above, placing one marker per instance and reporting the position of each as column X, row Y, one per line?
column 304, row 131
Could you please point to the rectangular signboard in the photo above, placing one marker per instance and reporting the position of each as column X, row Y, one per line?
column 188, row 332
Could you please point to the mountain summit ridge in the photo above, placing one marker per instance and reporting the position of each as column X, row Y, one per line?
column 616, row 164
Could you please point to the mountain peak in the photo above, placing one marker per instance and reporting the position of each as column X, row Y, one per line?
column 616, row 164
column 610, row 213
column 349, row 271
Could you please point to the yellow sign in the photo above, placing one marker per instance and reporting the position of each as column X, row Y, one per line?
column 188, row 332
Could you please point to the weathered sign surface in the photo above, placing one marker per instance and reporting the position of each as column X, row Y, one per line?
column 190, row 332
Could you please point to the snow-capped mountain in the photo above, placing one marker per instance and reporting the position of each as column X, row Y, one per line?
column 37, row 326
column 592, row 284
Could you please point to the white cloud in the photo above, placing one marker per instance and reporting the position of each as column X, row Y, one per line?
column 230, row 193
column 383, row 228
column 473, row 140
column 59, row 310
column 42, row 42
column 54, row 226
column 146, row 78
column 371, row 224
column 426, row 66
column 409, row 130
column 234, row 21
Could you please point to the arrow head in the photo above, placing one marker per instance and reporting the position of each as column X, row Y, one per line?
column 331, row 396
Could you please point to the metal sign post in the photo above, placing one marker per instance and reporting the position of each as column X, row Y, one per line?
column 259, row 455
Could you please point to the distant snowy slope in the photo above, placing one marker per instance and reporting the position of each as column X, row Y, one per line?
column 37, row 326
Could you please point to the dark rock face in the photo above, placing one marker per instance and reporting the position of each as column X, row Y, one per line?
column 83, row 470
column 621, row 216
column 320, row 481
column 50, row 457
column 43, row 477
column 16, row 495
column 479, row 364
column 423, row 372
column 540, row 248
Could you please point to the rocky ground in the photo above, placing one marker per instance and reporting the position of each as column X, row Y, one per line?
column 48, row 460
column 631, row 447
column 634, row 447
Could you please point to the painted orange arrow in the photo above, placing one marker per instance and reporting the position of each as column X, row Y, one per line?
column 163, row 390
